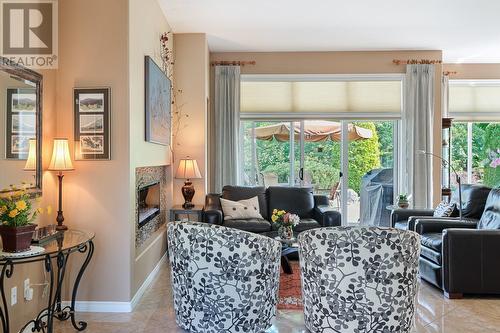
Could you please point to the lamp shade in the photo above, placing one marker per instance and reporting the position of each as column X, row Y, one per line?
column 188, row 169
column 61, row 161
column 31, row 161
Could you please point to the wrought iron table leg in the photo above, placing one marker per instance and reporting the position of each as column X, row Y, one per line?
column 89, row 248
column 7, row 271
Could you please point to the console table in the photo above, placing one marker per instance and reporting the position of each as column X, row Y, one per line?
column 55, row 256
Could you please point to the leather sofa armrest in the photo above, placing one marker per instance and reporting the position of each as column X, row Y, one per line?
column 402, row 214
column 212, row 212
column 321, row 200
column 326, row 216
column 470, row 261
column 424, row 226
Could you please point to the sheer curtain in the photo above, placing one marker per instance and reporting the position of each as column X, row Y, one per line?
column 417, row 134
column 227, row 125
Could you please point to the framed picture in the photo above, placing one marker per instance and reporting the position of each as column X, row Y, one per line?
column 158, row 102
column 92, row 123
column 21, row 121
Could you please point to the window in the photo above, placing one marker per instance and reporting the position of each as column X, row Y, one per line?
column 475, row 133
column 336, row 134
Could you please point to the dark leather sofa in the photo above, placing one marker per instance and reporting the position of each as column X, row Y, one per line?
column 463, row 257
column 313, row 210
column 473, row 200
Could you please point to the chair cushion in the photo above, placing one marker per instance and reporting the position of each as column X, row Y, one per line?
column 403, row 225
column 252, row 225
column 237, row 193
column 295, row 200
column 431, row 254
column 491, row 215
column 433, row 240
column 306, row 224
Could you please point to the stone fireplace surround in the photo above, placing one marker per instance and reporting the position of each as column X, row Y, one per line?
column 143, row 177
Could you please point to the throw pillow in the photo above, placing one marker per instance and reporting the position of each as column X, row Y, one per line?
column 444, row 209
column 243, row 209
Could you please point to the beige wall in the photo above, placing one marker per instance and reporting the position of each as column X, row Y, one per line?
column 473, row 71
column 191, row 76
column 146, row 24
column 93, row 52
column 379, row 62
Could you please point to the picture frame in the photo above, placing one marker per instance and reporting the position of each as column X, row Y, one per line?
column 92, row 123
column 21, row 122
column 158, row 104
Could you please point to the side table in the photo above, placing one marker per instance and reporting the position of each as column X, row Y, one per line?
column 178, row 210
column 54, row 256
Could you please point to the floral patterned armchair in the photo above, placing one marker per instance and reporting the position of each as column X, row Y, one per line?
column 223, row 280
column 359, row 279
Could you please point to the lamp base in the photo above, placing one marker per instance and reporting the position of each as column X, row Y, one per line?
column 188, row 194
column 61, row 227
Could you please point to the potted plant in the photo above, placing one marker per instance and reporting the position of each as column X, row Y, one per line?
column 285, row 222
column 16, row 215
column 403, row 201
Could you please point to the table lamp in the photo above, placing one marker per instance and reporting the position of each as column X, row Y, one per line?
column 61, row 161
column 31, row 161
column 188, row 169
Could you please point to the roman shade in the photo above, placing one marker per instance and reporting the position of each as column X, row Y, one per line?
column 474, row 99
column 320, row 96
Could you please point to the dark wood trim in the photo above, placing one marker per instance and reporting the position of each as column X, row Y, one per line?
column 453, row 295
column 27, row 74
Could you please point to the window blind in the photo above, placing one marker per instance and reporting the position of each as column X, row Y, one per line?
column 320, row 96
column 474, row 98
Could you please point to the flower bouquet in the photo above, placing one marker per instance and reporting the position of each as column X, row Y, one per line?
column 285, row 222
column 16, row 215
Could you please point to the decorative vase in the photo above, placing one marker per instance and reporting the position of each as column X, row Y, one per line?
column 17, row 239
column 403, row 204
column 285, row 233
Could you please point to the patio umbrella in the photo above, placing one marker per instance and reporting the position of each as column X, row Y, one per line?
column 314, row 131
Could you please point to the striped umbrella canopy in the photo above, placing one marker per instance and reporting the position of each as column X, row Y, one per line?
column 314, row 131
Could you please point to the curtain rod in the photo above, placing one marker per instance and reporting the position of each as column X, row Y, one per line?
column 447, row 73
column 416, row 62
column 233, row 63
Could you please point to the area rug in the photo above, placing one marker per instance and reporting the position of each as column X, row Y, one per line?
column 290, row 293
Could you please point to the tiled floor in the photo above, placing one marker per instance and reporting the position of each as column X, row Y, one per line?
column 434, row 314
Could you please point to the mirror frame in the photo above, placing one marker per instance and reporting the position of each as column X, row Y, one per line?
column 27, row 74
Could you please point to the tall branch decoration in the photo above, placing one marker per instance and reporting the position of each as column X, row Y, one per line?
column 178, row 116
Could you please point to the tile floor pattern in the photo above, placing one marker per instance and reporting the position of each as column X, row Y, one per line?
column 435, row 314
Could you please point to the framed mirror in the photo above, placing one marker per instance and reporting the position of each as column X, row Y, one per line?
column 20, row 128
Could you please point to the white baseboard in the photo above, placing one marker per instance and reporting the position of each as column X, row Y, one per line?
column 93, row 306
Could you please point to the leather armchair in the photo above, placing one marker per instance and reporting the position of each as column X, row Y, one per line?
column 461, row 257
column 473, row 201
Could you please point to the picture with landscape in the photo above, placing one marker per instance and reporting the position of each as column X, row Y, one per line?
column 158, row 104
column 91, row 103
column 23, row 102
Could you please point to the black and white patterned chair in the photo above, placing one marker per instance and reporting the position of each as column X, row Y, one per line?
column 359, row 279
column 223, row 280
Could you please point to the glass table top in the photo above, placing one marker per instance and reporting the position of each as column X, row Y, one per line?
column 70, row 239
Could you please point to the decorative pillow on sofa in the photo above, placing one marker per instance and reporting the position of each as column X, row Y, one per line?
column 243, row 209
column 444, row 209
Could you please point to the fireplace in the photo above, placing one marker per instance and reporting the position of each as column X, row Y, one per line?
column 148, row 203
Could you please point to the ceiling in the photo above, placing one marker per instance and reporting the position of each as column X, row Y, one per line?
column 467, row 31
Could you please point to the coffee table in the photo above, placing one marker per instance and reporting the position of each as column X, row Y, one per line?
column 287, row 248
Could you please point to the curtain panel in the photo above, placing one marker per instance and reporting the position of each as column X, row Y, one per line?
column 227, row 126
column 417, row 134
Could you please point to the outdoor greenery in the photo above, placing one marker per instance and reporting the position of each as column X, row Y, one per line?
column 485, row 139
column 322, row 159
